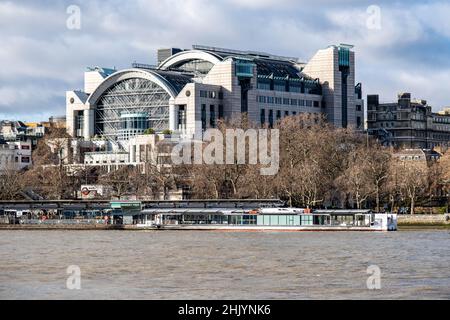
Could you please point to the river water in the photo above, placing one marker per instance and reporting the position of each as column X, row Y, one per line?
column 224, row 265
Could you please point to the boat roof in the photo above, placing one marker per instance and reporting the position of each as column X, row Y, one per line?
column 193, row 211
column 238, row 211
column 342, row 211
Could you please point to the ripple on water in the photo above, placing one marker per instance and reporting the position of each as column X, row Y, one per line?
column 215, row 265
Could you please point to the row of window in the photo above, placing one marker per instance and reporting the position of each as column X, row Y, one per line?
column 419, row 116
column 278, row 114
column 126, row 134
column 408, row 134
column 212, row 115
column 140, row 123
column 387, row 117
column 410, row 158
column 211, row 94
column 282, row 220
column 289, row 102
column 441, row 137
column 104, row 161
column 287, row 86
column 442, row 128
column 22, row 159
column 405, row 115
column 16, row 159
column 441, row 120
column 23, row 147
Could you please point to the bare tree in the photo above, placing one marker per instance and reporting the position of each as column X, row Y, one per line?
column 378, row 162
column 412, row 179
column 52, row 182
column 444, row 163
column 53, row 148
column 120, row 181
column 355, row 179
column 207, row 181
column 48, row 176
column 299, row 142
column 11, row 183
column 444, row 172
column 257, row 186
column 221, row 180
column 312, row 157
column 159, row 180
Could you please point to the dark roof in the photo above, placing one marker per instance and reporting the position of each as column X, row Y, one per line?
column 282, row 69
column 267, row 65
column 176, row 79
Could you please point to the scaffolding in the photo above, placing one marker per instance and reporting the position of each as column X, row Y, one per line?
column 131, row 96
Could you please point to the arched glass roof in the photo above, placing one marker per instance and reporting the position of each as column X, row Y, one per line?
column 267, row 65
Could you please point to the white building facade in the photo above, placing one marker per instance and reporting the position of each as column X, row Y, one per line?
column 15, row 155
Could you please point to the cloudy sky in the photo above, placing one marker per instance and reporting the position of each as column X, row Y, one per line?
column 406, row 47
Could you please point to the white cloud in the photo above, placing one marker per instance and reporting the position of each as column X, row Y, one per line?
column 435, row 16
column 40, row 54
column 264, row 4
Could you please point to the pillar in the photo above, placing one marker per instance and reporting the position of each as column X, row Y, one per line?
column 88, row 123
column 173, row 125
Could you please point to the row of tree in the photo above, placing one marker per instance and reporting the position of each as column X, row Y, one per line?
column 320, row 166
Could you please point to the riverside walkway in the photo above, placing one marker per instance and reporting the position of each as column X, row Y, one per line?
column 106, row 204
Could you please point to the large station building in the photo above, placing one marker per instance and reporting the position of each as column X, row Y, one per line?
column 195, row 87
column 189, row 90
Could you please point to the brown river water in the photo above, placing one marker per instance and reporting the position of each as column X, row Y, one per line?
column 224, row 265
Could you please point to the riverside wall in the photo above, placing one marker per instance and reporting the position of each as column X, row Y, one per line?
column 423, row 220
column 65, row 227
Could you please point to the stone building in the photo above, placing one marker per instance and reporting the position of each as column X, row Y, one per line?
column 407, row 123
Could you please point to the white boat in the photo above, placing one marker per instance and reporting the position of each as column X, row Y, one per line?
column 265, row 219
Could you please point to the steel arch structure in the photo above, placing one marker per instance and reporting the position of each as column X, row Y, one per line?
column 131, row 91
column 187, row 56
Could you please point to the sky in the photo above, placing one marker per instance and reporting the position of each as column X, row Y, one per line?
column 400, row 46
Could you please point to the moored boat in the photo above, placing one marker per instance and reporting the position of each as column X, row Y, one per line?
column 265, row 219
